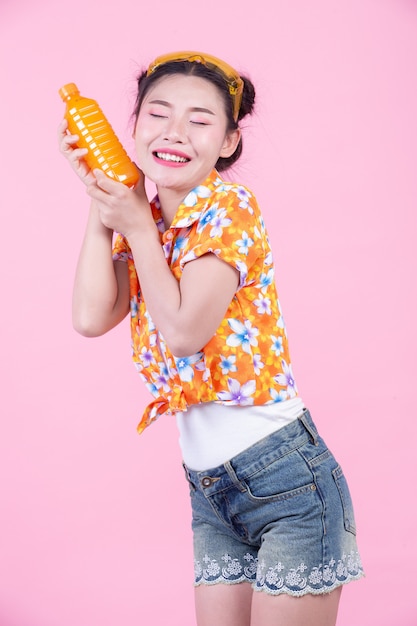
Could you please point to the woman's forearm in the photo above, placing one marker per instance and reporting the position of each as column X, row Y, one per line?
column 159, row 287
column 188, row 312
column 99, row 301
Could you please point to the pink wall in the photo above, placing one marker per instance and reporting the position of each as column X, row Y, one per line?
column 84, row 537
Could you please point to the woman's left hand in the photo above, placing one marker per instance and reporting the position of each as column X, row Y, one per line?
column 124, row 210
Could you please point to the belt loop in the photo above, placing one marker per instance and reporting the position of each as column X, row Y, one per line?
column 305, row 419
column 233, row 477
column 188, row 477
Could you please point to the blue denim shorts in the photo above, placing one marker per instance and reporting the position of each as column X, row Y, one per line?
column 278, row 515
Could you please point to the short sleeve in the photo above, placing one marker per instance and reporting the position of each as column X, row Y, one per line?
column 121, row 250
column 231, row 228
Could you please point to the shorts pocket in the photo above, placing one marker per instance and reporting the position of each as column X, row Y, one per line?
column 347, row 506
column 284, row 495
column 281, row 480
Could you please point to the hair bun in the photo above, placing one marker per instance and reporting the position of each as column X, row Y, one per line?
column 248, row 98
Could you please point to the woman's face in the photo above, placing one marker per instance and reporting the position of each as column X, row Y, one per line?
column 181, row 131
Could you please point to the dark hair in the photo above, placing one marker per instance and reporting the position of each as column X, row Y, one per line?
column 192, row 68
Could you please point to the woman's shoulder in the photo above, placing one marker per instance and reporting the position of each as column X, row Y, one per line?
column 233, row 195
column 221, row 185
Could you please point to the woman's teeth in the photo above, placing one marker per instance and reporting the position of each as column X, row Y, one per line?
column 171, row 157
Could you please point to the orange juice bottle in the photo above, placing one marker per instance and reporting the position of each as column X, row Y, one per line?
column 86, row 119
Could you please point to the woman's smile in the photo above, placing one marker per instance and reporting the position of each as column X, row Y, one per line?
column 171, row 158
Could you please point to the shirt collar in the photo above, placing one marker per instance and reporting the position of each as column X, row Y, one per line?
column 193, row 204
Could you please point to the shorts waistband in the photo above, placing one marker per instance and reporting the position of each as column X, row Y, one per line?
column 255, row 458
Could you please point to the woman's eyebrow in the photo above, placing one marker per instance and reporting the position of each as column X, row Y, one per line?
column 192, row 109
column 163, row 102
column 201, row 110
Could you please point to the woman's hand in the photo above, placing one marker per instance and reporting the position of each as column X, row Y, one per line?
column 124, row 210
column 75, row 156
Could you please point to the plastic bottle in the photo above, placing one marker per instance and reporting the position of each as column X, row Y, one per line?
column 86, row 119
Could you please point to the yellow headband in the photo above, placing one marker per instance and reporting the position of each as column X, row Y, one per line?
column 232, row 78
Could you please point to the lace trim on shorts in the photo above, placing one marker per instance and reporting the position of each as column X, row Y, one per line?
column 275, row 580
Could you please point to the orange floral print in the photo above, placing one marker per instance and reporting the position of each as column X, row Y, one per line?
column 247, row 361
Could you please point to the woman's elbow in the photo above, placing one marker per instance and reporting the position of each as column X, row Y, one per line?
column 86, row 328
column 97, row 322
column 183, row 345
column 87, row 323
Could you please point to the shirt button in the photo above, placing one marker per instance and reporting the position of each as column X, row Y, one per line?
column 168, row 235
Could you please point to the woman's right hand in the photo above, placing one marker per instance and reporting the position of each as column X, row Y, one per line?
column 75, row 156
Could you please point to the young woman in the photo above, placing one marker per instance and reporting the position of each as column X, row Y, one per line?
column 273, row 524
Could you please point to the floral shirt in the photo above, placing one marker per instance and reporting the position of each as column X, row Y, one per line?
column 247, row 361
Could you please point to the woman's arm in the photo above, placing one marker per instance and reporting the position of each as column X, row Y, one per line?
column 188, row 312
column 101, row 286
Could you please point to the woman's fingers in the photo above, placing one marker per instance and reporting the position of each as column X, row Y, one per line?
column 74, row 155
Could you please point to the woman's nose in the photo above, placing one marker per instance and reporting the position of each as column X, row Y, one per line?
column 175, row 131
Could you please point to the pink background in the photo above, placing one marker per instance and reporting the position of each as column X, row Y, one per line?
column 94, row 520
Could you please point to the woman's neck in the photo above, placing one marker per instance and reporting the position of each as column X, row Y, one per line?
column 169, row 202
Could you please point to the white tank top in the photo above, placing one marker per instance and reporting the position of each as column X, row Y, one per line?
column 211, row 434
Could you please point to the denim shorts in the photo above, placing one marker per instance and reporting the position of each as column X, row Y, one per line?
column 278, row 515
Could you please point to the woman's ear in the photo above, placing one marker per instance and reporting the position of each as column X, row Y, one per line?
column 230, row 143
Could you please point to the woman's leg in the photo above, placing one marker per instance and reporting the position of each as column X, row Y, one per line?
column 238, row 605
column 224, row 605
column 285, row 610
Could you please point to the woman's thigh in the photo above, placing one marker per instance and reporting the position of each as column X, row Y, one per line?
column 238, row 605
column 286, row 610
column 223, row 604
